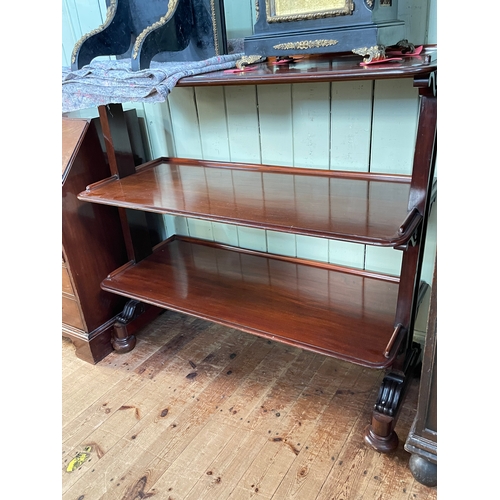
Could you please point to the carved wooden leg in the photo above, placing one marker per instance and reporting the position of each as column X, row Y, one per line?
column 135, row 314
column 380, row 434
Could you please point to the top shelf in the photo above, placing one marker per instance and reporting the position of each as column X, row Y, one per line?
column 320, row 68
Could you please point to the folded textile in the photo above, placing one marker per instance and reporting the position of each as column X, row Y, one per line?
column 106, row 82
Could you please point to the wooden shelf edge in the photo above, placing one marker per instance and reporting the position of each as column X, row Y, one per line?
column 338, row 67
column 185, row 288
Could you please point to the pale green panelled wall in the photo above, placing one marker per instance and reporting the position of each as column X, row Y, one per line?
column 358, row 126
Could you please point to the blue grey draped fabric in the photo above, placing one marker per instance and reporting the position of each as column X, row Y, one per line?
column 106, row 82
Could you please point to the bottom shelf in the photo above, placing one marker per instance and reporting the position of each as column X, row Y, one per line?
column 344, row 313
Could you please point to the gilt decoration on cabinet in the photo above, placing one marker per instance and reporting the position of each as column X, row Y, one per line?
column 285, row 26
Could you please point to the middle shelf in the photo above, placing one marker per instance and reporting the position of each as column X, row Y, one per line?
column 357, row 207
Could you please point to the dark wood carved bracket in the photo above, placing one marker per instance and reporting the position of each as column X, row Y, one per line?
column 394, row 384
column 390, row 394
column 380, row 432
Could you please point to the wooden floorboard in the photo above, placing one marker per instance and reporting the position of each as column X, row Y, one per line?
column 199, row 411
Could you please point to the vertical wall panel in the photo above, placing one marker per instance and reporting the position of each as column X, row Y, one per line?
column 275, row 119
column 225, row 233
column 243, row 123
column 253, row 239
column 430, row 246
column 244, row 146
column 351, row 125
column 68, row 35
column 346, row 254
column 395, row 114
column 432, row 22
column 213, row 124
column 200, row 229
column 90, row 19
column 384, row 260
column 311, row 124
column 185, row 127
column 276, row 144
column 80, row 17
column 186, row 133
column 281, row 243
column 159, row 126
column 393, row 140
column 181, row 226
column 309, row 247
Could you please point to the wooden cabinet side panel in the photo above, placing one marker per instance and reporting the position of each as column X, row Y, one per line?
column 431, row 422
column 92, row 239
column 426, row 422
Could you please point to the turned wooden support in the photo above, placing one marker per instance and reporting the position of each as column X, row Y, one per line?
column 380, row 434
column 123, row 341
column 134, row 316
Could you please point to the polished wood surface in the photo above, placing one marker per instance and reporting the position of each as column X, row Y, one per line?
column 320, row 308
column 343, row 205
column 318, row 68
